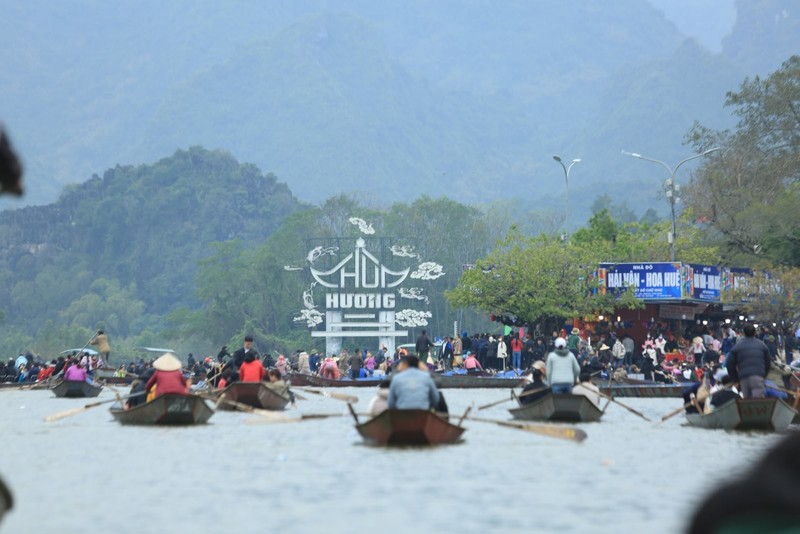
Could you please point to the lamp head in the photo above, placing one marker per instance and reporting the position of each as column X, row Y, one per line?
column 557, row 158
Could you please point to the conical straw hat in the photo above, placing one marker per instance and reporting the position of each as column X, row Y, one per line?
column 167, row 362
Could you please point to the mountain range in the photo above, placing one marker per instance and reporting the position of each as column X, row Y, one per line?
column 468, row 99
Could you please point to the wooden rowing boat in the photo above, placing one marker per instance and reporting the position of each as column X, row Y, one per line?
column 169, row 409
column 458, row 381
column 107, row 375
column 653, row 390
column 6, row 500
column 559, row 407
column 256, row 394
column 409, row 427
column 768, row 414
column 455, row 381
column 76, row 389
column 304, row 380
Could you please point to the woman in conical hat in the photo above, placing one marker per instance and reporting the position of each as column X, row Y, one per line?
column 168, row 377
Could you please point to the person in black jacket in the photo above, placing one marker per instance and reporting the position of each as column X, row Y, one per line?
column 749, row 363
column 247, row 348
column 423, row 346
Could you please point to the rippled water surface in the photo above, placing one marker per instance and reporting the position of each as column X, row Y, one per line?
column 89, row 474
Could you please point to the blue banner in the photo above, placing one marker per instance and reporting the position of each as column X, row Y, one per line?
column 704, row 282
column 652, row 281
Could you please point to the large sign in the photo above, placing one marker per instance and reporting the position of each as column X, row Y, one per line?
column 653, row 281
column 702, row 282
column 363, row 297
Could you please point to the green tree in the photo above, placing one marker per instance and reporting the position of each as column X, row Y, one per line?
column 536, row 280
column 748, row 193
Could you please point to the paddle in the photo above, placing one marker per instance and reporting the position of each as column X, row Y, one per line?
column 300, row 419
column 466, row 412
column 496, row 402
column 338, row 396
column 245, row 407
column 352, row 412
column 76, row 411
column 570, row 434
column 615, row 401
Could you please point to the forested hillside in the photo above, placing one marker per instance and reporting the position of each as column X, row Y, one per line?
column 123, row 249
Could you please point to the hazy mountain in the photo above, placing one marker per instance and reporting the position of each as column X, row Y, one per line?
column 464, row 98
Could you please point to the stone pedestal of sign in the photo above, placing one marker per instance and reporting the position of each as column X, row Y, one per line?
column 333, row 345
column 388, row 340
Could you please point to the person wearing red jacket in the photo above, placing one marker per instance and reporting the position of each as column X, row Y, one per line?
column 168, row 377
column 251, row 370
column 516, row 353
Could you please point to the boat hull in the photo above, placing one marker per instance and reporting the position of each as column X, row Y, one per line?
column 76, row 389
column 409, row 427
column 442, row 381
column 769, row 415
column 643, row 390
column 557, row 407
column 255, row 394
column 169, row 409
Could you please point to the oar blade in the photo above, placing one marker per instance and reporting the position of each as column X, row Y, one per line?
column 568, row 433
column 338, row 396
column 62, row 415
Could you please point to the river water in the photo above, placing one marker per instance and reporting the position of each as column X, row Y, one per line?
column 89, row 474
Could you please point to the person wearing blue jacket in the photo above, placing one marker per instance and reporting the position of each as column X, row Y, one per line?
column 412, row 388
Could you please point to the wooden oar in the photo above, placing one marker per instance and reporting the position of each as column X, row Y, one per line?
column 300, row 419
column 466, row 413
column 352, row 412
column 76, row 411
column 635, row 412
column 570, row 434
column 338, row 396
column 676, row 412
column 246, row 407
column 497, row 402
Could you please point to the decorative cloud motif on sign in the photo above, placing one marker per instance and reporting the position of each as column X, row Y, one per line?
column 411, row 318
column 428, row 271
column 316, row 252
column 311, row 316
column 362, row 225
column 414, row 293
column 291, row 268
column 308, row 297
column 404, row 251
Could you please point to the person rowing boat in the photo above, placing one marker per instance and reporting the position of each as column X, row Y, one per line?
column 412, row 388
column 168, row 377
column 537, row 388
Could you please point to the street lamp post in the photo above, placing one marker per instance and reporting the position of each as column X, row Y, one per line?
column 671, row 188
column 566, row 189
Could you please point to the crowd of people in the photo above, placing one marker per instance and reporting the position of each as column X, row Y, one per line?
column 561, row 361
column 29, row 369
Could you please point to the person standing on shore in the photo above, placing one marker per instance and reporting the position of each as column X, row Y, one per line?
column 423, row 346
